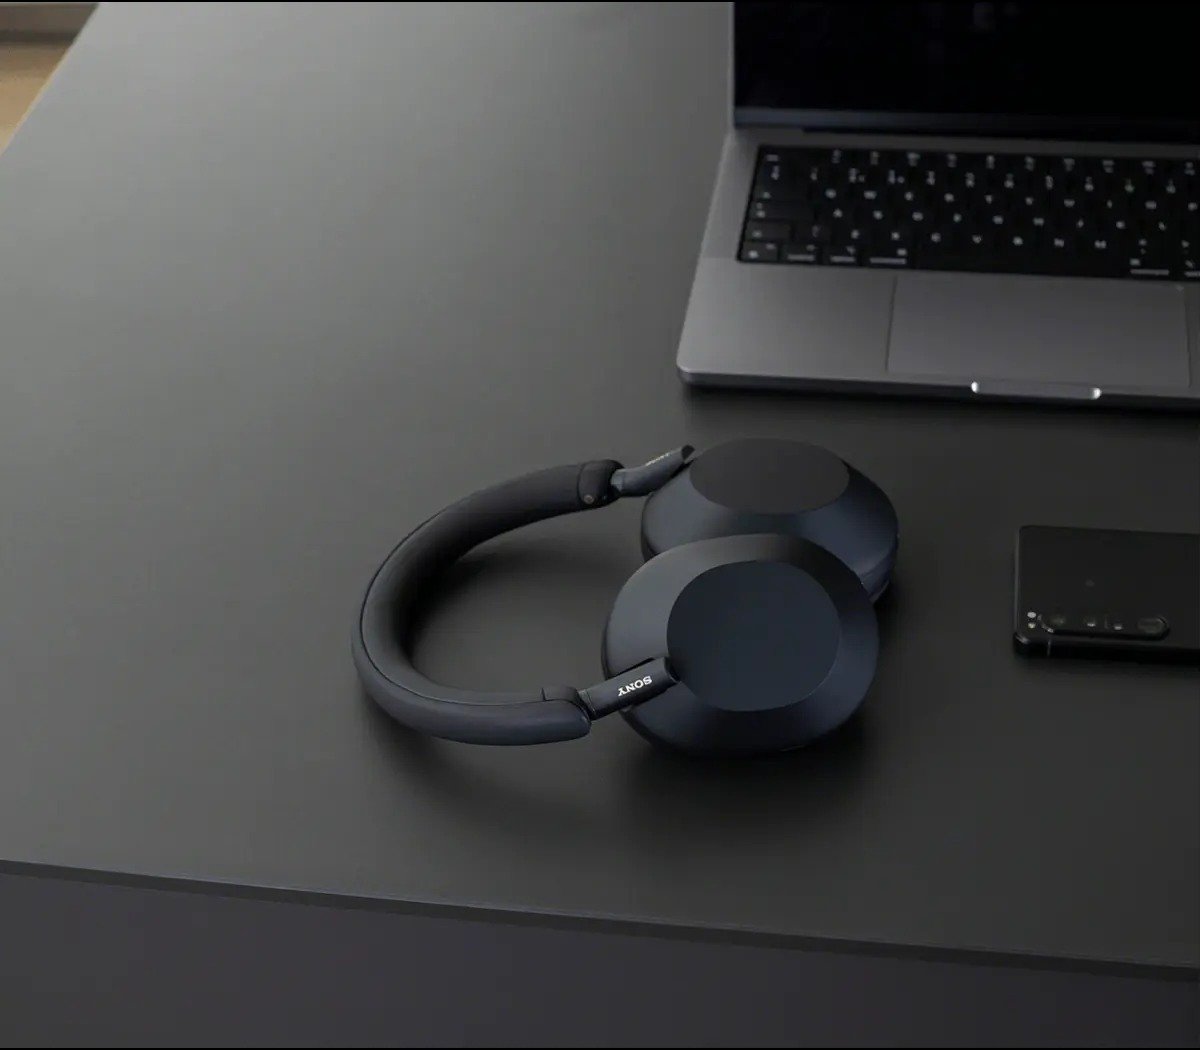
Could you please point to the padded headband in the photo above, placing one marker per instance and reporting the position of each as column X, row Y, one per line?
column 396, row 593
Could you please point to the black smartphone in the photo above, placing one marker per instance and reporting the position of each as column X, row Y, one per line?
column 1107, row 593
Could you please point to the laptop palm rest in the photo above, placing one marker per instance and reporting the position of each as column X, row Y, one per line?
column 1034, row 332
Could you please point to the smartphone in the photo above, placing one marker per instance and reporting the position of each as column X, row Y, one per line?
column 1107, row 593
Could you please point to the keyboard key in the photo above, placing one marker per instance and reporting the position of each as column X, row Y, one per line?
column 842, row 255
column 801, row 253
column 790, row 191
column 787, row 211
column 760, row 251
column 766, row 231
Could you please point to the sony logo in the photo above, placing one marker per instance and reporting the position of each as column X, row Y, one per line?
column 633, row 687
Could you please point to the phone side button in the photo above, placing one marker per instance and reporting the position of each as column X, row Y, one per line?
column 1152, row 627
column 1035, row 391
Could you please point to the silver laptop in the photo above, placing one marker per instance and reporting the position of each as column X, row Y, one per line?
column 980, row 200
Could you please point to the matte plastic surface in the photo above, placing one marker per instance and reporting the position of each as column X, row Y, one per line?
column 762, row 485
column 773, row 640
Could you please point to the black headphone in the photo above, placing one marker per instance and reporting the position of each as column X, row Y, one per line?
column 750, row 627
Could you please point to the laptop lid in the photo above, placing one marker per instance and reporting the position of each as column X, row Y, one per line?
column 1033, row 68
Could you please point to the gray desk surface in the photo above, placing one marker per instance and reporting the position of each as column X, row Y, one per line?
column 277, row 283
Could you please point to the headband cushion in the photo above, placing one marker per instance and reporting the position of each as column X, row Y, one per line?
column 398, row 590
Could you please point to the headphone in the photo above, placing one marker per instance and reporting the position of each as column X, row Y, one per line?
column 749, row 628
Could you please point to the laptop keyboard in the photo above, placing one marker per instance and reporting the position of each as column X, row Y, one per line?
column 984, row 212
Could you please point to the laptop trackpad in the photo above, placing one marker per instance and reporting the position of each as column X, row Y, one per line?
column 1039, row 329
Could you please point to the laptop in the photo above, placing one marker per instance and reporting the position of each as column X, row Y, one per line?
column 977, row 200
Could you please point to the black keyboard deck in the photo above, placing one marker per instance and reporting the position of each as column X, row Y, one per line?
column 1080, row 216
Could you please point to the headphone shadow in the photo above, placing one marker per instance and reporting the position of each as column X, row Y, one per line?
column 681, row 796
column 667, row 797
column 887, row 608
column 478, row 785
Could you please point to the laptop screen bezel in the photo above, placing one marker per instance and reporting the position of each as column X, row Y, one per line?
column 1172, row 131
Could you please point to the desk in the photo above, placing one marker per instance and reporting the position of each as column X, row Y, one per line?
column 389, row 255
column 24, row 67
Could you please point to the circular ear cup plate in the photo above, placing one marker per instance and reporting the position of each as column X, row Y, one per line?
column 761, row 485
column 736, row 624
column 773, row 639
column 768, row 476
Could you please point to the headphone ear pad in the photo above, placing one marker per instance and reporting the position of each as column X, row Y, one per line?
column 773, row 641
column 761, row 485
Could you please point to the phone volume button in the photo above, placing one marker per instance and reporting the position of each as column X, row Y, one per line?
column 1152, row 627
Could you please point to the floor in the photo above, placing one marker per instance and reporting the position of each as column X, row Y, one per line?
column 25, row 66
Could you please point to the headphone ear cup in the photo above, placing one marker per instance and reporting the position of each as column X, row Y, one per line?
column 761, row 485
column 772, row 639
